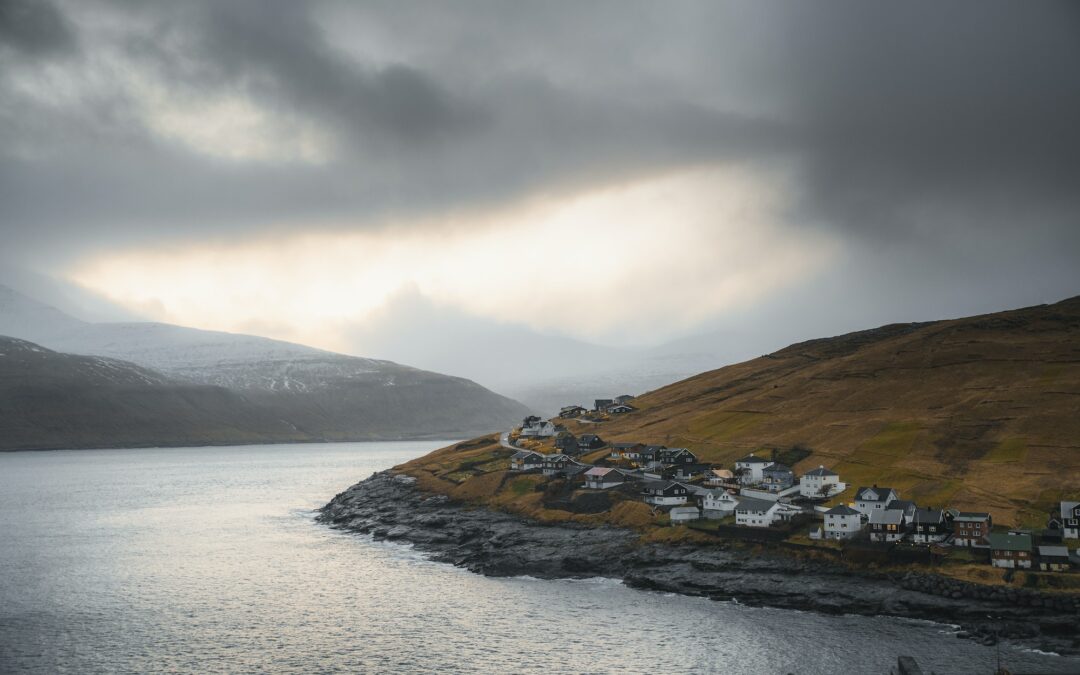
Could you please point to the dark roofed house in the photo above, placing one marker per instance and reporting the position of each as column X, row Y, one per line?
column 930, row 526
column 590, row 442
column 677, row 456
column 888, row 525
column 1012, row 550
column 1054, row 558
column 688, row 471
column 526, row 460
column 665, row 492
column 568, row 444
column 601, row 404
column 620, row 409
column 650, row 455
column 907, row 506
column 625, row 450
column 842, row 522
column 624, row 398
column 869, row 498
column 749, row 469
column 971, row 529
column 777, row 477
column 567, row 412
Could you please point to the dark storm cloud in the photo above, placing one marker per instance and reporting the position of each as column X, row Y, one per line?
column 34, row 27
column 922, row 124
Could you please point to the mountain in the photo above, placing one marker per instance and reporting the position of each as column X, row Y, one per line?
column 323, row 395
column 53, row 400
column 979, row 413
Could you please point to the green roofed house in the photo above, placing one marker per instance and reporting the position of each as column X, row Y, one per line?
column 1012, row 550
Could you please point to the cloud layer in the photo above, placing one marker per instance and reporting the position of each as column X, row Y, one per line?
column 931, row 148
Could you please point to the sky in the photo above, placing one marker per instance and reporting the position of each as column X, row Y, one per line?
column 523, row 190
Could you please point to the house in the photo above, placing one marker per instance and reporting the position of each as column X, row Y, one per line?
column 720, row 477
column 1012, row 550
column 573, row 469
column 970, row 529
column 1054, row 558
column 868, row 499
column 749, row 469
column 570, row 411
column 568, row 444
column 526, row 460
column 908, row 507
column 688, row 471
column 626, row 450
column 601, row 404
column 665, row 492
column 682, row 514
column 930, row 526
column 620, row 409
column 590, row 442
column 756, row 512
column 650, row 455
column 1070, row 520
column 718, row 503
column 602, row 478
column 539, row 430
column 842, row 522
column 554, row 464
column 677, row 456
column 624, row 398
column 777, row 477
column 887, row 525
column 820, row 483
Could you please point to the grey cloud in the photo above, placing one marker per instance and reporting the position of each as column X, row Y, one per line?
column 35, row 28
column 944, row 132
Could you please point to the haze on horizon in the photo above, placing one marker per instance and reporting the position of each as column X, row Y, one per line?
column 522, row 191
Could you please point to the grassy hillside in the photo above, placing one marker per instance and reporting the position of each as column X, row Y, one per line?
column 975, row 413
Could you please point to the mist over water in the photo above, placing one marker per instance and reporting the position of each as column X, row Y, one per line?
column 209, row 560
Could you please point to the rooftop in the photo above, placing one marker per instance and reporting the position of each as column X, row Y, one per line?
column 1010, row 542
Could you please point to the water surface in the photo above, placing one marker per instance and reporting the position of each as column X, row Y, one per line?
column 209, row 560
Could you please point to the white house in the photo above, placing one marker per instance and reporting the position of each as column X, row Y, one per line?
column 602, row 478
column 681, row 514
column 750, row 469
column 842, row 522
column 719, row 502
column 539, row 430
column 820, row 482
column 756, row 512
column 1070, row 520
column 869, row 499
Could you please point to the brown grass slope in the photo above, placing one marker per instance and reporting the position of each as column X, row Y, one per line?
column 980, row 412
column 975, row 413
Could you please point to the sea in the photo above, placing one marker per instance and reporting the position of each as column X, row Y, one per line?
column 210, row 560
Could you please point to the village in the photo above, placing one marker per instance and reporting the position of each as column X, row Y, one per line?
column 759, row 497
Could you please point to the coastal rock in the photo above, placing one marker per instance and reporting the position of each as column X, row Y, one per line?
column 501, row 544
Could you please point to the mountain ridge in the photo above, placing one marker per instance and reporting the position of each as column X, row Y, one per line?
column 321, row 395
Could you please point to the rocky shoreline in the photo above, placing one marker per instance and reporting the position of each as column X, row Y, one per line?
column 499, row 544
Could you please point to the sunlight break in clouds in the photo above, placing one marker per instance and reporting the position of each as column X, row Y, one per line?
column 631, row 264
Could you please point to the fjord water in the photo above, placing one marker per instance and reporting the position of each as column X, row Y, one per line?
column 209, row 560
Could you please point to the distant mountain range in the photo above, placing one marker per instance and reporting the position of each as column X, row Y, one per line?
column 220, row 388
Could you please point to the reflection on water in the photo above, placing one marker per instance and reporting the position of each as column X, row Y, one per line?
column 209, row 560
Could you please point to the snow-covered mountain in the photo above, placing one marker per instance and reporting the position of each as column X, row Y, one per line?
column 327, row 395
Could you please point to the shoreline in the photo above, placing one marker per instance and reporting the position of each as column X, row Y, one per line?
column 228, row 444
column 491, row 543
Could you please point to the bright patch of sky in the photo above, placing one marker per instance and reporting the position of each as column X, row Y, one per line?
column 635, row 263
